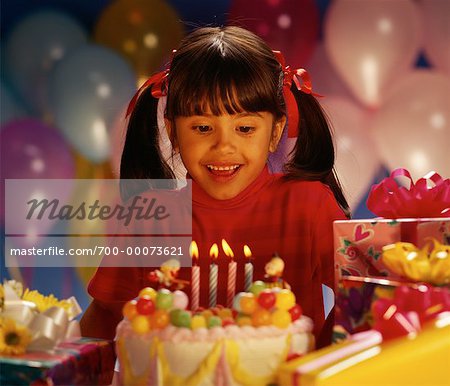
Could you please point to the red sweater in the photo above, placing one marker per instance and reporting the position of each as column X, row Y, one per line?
column 291, row 218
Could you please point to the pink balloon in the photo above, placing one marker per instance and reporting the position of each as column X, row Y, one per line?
column 325, row 80
column 290, row 26
column 371, row 43
column 357, row 158
column 436, row 17
column 412, row 127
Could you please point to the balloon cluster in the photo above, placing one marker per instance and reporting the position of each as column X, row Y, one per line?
column 155, row 310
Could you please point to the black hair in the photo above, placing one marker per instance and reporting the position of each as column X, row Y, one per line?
column 228, row 70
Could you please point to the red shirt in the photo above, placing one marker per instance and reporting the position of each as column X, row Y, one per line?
column 291, row 218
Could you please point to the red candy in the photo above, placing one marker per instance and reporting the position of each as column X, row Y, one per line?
column 267, row 299
column 145, row 305
column 296, row 312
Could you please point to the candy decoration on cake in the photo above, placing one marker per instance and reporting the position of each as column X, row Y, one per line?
column 274, row 273
column 213, row 275
column 248, row 268
column 166, row 276
column 195, row 276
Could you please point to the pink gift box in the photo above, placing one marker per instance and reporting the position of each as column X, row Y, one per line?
column 358, row 243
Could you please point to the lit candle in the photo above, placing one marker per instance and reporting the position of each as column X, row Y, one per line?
column 248, row 268
column 213, row 273
column 195, row 277
column 232, row 266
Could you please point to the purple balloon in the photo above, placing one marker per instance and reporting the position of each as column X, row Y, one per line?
column 31, row 149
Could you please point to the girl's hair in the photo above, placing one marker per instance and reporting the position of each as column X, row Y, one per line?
column 228, row 70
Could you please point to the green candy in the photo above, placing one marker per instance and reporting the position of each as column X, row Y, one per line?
column 257, row 287
column 164, row 299
column 214, row 321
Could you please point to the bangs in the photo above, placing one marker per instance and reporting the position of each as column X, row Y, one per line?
column 221, row 85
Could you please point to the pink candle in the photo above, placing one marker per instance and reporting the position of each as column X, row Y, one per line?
column 195, row 277
column 231, row 288
column 232, row 267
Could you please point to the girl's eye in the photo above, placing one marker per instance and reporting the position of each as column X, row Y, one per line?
column 246, row 129
column 202, row 128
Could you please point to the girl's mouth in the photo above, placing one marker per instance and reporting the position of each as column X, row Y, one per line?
column 223, row 172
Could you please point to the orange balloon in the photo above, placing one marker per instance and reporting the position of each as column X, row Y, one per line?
column 143, row 31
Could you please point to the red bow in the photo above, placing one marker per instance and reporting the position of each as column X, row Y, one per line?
column 302, row 81
column 388, row 199
column 158, row 82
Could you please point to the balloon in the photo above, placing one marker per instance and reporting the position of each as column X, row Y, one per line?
column 143, row 31
column 32, row 150
column 325, row 80
column 87, row 90
column 437, row 32
column 33, row 49
column 412, row 127
column 10, row 107
column 372, row 42
column 357, row 159
column 290, row 26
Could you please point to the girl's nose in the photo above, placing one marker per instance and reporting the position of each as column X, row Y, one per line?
column 224, row 140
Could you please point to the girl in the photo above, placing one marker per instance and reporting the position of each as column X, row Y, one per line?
column 228, row 99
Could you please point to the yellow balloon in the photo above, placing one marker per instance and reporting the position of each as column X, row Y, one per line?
column 143, row 31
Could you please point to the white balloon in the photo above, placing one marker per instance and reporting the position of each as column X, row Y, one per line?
column 412, row 127
column 372, row 42
column 357, row 159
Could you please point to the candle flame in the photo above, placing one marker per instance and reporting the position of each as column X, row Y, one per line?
column 214, row 251
column 193, row 250
column 247, row 251
column 227, row 249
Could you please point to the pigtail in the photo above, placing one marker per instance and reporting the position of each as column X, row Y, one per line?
column 141, row 156
column 313, row 155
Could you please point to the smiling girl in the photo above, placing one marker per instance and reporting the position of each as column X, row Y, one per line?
column 229, row 99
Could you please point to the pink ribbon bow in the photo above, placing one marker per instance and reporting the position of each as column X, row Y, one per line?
column 388, row 199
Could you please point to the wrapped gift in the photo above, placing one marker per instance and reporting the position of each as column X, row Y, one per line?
column 411, row 214
column 358, row 244
column 359, row 297
column 85, row 361
column 421, row 359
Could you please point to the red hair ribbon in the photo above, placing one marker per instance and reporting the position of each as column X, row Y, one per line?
column 158, row 82
column 302, row 81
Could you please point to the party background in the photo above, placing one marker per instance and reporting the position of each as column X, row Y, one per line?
column 68, row 69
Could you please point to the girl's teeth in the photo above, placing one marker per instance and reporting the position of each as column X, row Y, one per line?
column 223, row 167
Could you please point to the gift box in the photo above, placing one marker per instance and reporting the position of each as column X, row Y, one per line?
column 358, row 243
column 421, row 359
column 85, row 361
column 358, row 298
column 411, row 214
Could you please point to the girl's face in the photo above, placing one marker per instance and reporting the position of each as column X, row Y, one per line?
column 225, row 153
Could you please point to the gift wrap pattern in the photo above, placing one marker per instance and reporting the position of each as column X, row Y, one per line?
column 358, row 243
column 86, row 361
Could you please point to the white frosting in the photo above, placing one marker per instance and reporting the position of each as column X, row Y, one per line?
column 181, row 334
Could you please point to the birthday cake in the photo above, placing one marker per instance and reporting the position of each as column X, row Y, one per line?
column 160, row 342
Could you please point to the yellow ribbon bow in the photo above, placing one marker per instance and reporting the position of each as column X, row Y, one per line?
column 430, row 266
